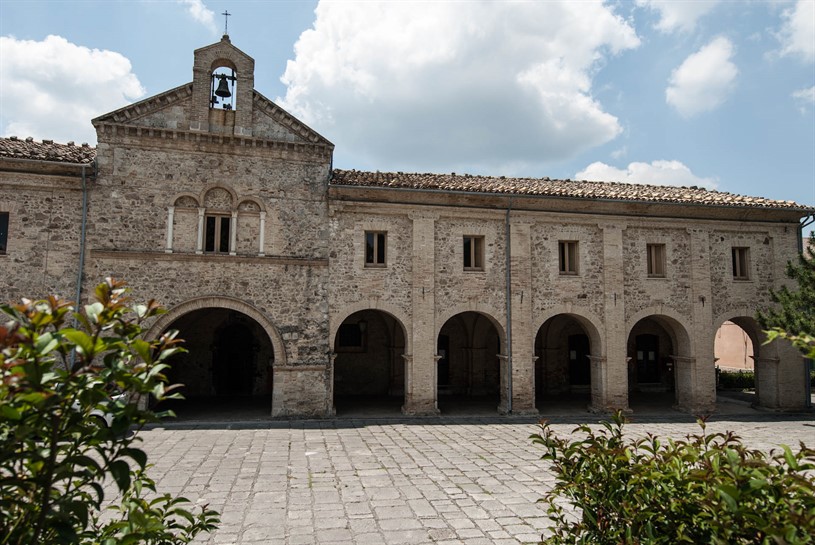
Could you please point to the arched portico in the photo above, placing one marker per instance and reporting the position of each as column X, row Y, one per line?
column 368, row 371
column 781, row 373
column 471, row 366
column 569, row 365
column 660, row 359
column 232, row 352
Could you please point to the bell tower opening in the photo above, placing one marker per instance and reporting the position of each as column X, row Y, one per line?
column 224, row 88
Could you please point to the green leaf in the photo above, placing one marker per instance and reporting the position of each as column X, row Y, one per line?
column 120, row 471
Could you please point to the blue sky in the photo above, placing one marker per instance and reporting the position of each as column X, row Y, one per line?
column 717, row 94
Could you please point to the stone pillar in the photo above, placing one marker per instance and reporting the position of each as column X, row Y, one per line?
column 199, row 245
column 233, row 233
column 262, row 237
column 613, row 388
column 523, row 330
column 332, row 409
column 766, row 372
column 598, row 379
column 685, row 378
column 503, row 406
column 421, row 383
column 170, row 214
column 700, row 397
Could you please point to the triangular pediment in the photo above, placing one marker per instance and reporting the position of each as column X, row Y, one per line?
column 170, row 110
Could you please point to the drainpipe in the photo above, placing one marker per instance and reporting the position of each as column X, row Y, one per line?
column 82, row 241
column 807, row 220
column 509, row 309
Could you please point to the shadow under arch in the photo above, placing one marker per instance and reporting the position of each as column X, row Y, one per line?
column 199, row 303
column 392, row 310
column 484, row 310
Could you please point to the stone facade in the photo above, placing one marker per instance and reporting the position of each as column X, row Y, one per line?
column 309, row 286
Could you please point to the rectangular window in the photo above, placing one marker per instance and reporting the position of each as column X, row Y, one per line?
column 473, row 253
column 567, row 256
column 656, row 260
column 3, row 232
column 217, row 234
column 375, row 245
column 741, row 263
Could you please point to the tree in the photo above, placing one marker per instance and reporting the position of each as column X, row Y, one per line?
column 796, row 311
column 54, row 456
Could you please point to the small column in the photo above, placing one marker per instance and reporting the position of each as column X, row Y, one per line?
column 766, row 372
column 599, row 382
column 199, row 245
column 170, row 215
column 331, row 408
column 503, row 405
column 261, row 250
column 233, row 233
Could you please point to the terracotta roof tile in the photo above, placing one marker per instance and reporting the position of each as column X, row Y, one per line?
column 546, row 187
column 46, row 150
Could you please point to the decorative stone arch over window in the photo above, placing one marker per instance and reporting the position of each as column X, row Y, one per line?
column 218, row 221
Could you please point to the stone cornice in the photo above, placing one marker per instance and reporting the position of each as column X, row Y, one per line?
column 208, row 258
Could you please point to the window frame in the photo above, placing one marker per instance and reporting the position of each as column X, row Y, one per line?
column 218, row 233
column 4, row 228
column 740, row 263
column 656, row 262
column 475, row 255
column 379, row 250
column 568, row 257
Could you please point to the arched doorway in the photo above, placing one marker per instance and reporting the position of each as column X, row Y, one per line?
column 469, row 368
column 563, row 350
column 369, row 368
column 733, row 347
column 656, row 345
column 228, row 367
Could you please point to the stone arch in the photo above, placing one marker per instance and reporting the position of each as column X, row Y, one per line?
column 186, row 200
column 744, row 317
column 590, row 322
column 222, row 62
column 374, row 304
column 673, row 322
column 207, row 189
column 251, row 204
column 473, row 306
column 165, row 320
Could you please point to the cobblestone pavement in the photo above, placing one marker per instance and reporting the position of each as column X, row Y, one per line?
column 373, row 481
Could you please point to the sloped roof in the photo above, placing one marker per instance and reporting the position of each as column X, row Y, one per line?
column 546, row 187
column 46, row 150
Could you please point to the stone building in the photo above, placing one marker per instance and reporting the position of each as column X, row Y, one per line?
column 310, row 286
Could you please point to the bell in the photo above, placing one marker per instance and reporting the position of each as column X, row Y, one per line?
column 223, row 88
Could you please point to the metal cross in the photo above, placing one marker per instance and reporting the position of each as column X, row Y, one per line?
column 226, row 15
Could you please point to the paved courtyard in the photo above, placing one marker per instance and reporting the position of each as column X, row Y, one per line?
column 353, row 481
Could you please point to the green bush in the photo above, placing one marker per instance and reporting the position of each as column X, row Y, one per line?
column 737, row 379
column 706, row 489
column 54, row 455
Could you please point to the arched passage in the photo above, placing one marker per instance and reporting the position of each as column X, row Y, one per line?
column 564, row 347
column 470, row 371
column 369, row 368
column 735, row 345
column 228, row 366
column 657, row 345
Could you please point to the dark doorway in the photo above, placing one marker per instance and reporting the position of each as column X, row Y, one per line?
column 234, row 361
column 579, row 364
column 647, row 357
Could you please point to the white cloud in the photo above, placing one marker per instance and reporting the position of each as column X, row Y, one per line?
column 442, row 84
column 798, row 31
column 805, row 98
column 200, row 13
column 704, row 80
column 53, row 88
column 654, row 173
column 681, row 16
